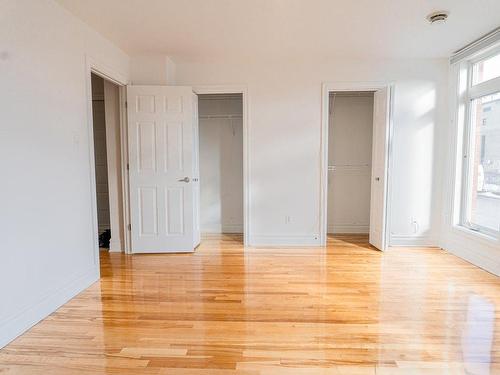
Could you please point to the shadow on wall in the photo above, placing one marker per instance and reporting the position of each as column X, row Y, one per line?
column 414, row 142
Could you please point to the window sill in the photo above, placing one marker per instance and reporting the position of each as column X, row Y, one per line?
column 475, row 234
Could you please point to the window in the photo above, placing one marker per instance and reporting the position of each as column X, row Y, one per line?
column 480, row 203
column 486, row 69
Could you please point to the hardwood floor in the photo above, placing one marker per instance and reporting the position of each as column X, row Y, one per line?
column 345, row 309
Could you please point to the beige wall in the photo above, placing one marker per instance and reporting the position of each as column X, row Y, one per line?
column 349, row 161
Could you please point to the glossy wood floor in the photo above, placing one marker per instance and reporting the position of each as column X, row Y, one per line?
column 346, row 309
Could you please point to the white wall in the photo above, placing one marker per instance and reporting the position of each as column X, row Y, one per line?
column 152, row 70
column 284, row 140
column 46, row 225
column 221, row 163
column 350, row 129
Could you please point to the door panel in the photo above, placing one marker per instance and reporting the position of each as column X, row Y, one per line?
column 162, row 168
column 174, row 147
column 148, row 211
column 379, row 169
column 146, row 146
column 175, row 211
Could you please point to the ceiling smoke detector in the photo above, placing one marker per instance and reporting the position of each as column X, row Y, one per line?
column 436, row 18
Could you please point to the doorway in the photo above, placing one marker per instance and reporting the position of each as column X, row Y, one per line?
column 350, row 128
column 164, row 170
column 356, row 134
column 220, row 121
column 107, row 163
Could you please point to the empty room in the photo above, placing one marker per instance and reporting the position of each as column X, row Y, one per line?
column 251, row 187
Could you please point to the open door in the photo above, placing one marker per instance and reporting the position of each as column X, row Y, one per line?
column 379, row 168
column 163, row 176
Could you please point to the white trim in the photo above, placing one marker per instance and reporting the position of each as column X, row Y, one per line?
column 94, row 66
column 16, row 325
column 115, row 246
column 127, row 241
column 411, row 240
column 478, row 46
column 238, row 89
column 348, row 229
column 459, row 244
column 105, row 71
column 227, row 228
column 327, row 88
column 282, row 240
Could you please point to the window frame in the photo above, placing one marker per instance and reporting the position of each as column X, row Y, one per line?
column 482, row 56
column 473, row 92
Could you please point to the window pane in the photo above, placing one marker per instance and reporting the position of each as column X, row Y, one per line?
column 483, row 204
column 486, row 69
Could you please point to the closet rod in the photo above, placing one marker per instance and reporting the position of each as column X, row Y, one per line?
column 349, row 165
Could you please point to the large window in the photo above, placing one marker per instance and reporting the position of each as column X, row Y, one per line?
column 480, row 203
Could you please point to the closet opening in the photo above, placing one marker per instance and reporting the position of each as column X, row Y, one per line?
column 107, row 161
column 355, row 161
column 220, row 137
column 350, row 144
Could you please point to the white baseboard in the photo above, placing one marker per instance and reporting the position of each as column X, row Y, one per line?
column 115, row 246
column 478, row 251
column 232, row 228
column 212, row 228
column 354, row 229
column 226, row 228
column 409, row 240
column 16, row 325
column 288, row 240
column 484, row 262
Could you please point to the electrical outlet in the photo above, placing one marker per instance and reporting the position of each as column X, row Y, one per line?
column 414, row 222
column 288, row 219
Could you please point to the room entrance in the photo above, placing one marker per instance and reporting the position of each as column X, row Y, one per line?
column 349, row 162
column 220, row 122
column 355, row 163
column 186, row 165
column 107, row 161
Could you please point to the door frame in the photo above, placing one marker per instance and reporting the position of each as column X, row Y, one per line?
column 243, row 90
column 327, row 88
column 119, row 79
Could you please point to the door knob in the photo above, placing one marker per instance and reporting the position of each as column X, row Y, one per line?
column 185, row 179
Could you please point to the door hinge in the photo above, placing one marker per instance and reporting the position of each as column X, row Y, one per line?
column 130, row 227
column 128, row 166
column 126, row 104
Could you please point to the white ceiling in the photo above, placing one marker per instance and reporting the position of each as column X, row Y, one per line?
column 197, row 30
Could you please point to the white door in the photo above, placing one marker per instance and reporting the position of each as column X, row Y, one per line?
column 161, row 139
column 379, row 168
column 196, row 173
